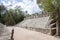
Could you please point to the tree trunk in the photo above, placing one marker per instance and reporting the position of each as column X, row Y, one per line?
column 58, row 24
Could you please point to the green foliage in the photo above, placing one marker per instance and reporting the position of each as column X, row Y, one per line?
column 11, row 17
column 8, row 18
column 48, row 6
column 2, row 8
column 52, row 6
column 38, row 1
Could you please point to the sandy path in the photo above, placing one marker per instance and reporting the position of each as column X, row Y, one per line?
column 23, row 34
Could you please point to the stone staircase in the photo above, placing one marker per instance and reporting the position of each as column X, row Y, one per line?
column 36, row 24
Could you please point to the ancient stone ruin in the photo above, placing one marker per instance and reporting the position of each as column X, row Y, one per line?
column 4, row 32
column 41, row 23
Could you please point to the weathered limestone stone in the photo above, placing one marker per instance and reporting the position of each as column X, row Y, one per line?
column 36, row 24
column 4, row 32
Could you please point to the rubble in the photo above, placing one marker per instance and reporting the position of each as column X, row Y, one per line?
column 4, row 32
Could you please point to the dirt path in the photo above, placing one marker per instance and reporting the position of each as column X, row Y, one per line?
column 23, row 34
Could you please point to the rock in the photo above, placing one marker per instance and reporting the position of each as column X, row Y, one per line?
column 4, row 32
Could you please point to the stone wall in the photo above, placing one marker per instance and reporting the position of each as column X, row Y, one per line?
column 43, row 30
column 36, row 24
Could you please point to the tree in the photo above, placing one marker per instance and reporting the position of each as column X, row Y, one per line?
column 8, row 17
column 19, row 14
column 2, row 9
column 53, row 6
column 11, row 16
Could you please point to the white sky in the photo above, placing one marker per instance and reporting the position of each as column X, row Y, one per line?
column 27, row 5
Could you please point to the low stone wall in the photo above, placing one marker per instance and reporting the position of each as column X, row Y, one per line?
column 43, row 30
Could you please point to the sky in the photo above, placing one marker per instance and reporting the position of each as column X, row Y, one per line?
column 27, row 5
